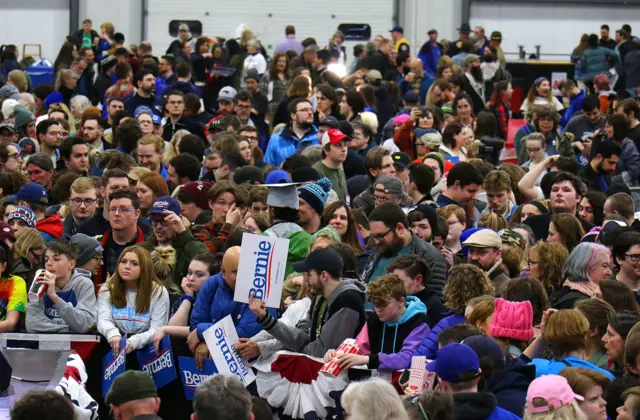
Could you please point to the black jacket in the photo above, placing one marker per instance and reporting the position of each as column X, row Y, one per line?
column 478, row 101
column 510, row 386
column 435, row 305
column 565, row 298
column 478, row 406
column 381, row 62
column 592, row 178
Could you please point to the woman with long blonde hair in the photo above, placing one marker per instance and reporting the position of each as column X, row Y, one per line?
column 133, row 301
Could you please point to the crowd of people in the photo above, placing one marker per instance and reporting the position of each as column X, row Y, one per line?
column 126, row 188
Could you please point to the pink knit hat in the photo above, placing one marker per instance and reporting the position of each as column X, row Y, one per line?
column 512, row 320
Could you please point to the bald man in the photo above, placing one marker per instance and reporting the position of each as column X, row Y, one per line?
column 417, row 79
column 215, row 301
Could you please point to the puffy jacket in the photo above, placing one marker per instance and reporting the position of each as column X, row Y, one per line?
column 285, row 144
column 429, row 346
column 597, row 61
column 631, row 67
column 510, row 386
column 214, row 302
column 427, row 251
column 575, row 105
column 390, row 345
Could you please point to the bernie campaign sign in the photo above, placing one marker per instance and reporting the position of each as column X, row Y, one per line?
column 158, row 365
column 113, row 365
column 221, row 339
column 192, row 377
column 261, row 270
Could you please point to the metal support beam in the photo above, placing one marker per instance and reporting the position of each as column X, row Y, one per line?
column 74, row 15
column 143, row 25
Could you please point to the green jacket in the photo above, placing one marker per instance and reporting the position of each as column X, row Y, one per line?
column 299, row 242
column 186, row 248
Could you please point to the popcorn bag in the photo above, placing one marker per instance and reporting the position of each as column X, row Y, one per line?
column 348, row 346
column 420, row 378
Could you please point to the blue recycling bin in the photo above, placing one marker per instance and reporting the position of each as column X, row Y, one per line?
column 41, row 73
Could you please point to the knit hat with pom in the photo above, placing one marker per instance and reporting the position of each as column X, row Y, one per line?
column 512, row 320
column 316, row 193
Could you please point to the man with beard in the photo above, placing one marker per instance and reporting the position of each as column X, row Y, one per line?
column 485, row 252
column 390, row 232
column 474, row 82
column 145, row 82
column 602, row 165
column 93, row 130
column 334, row 152
column 442, row 93
column 50, row 136
column 299, row 134
column 337, row 312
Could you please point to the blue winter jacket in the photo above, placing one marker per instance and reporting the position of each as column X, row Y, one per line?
column 215, row 301
column 510, row 386
column 429, row 346
column 575, row 105
column 597, row 61
column 425, row 83
column 285, row 144
column 430, row 56
column 553, row 367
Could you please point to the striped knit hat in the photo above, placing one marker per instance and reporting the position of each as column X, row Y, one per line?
column 316, row 193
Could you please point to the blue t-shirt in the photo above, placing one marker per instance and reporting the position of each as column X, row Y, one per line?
column 553, row 367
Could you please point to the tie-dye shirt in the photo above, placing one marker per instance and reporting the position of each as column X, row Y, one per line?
column 13, row 296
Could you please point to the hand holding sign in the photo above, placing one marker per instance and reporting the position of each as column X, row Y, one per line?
column 193, row 340
column 258, row 307
column 247, row 348
column 201, row 353
column 115, row 344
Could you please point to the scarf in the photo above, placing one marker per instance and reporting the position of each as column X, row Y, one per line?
column 588, row 288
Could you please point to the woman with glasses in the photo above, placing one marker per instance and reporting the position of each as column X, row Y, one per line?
column 456, row 218
column 545, row 264
column 626, row 257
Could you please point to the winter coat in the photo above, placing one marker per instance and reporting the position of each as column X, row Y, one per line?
column 427, row 251
column 479, row 406
column 390, row 345
column 510, row 386
column 214, row 302
column 595, row 61
column 429, row 346
column 286, row 143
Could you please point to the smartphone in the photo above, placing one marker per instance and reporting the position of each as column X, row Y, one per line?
column 404, row 378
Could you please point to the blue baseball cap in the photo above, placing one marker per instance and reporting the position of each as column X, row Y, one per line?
column 142, row 109
column 277, row 177
column 165, row 203
column 32, row 193
column 455, row 360
column 397, row 28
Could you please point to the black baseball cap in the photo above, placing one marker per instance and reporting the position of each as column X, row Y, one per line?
column 319, row 260
column 401, row 159
column 330, row 121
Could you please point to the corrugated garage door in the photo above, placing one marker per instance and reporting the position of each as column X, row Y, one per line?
column 267, row 19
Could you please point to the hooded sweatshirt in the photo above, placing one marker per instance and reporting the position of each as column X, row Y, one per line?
column 74, row 313
column 329, row 322
column 113, row 322
column 299, row 242
column 510, row 386
column 479, row 406
column 390, row 345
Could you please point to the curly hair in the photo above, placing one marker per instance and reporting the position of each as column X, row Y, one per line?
column 465, row 282
column 382, row 290
column 551, row 258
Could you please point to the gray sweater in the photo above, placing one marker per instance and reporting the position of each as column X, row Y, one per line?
column 74, row 313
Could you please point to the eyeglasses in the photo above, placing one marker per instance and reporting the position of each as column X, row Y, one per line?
column 633, row 257
column 157, row 222
column 122, row 211
column 80, row 201
column 416, row 401
column 15, row 156
column 56, row 133
column 380, row 238
column 452, row 223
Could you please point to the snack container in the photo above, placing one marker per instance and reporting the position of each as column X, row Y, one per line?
column 420, row 378
column 348, row 346
column 37, row 290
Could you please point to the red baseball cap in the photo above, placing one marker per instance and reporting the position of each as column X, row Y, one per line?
column 196, row 192
column 333, row 136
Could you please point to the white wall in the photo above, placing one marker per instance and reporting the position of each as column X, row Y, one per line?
column 44, row 22
column 419, row 16
column 556, row 28
column 126, row 16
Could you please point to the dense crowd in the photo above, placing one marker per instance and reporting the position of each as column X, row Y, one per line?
column 127, row 186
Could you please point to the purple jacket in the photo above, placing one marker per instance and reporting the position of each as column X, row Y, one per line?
column 390, row 346
column 429, row 346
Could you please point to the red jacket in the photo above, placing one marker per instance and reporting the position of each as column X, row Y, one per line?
column 50, row 227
